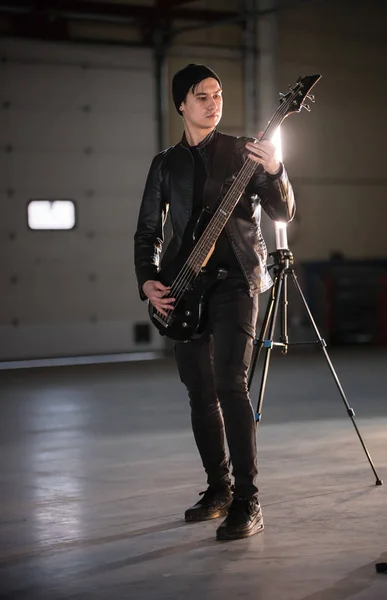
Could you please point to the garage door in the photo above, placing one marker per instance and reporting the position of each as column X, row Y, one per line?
column 77, row 133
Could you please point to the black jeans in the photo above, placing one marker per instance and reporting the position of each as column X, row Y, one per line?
column 214, row 368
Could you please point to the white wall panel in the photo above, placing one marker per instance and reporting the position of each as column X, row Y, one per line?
column 51, row 128
column 75, row 123
column 41, row 80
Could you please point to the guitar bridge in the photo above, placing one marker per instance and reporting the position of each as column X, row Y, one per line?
column 165, row 321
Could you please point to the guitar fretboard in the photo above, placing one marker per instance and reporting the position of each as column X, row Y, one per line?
column 231, row 199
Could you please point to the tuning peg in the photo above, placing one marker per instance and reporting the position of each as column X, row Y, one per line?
column 306, row 106
column 311, row 98
column 282, row 97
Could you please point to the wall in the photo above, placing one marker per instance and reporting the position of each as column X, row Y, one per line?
column 336, row 154
column 74, row 292
column 77, row 122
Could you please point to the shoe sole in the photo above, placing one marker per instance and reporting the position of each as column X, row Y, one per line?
column 217, row 515
column 224, row 536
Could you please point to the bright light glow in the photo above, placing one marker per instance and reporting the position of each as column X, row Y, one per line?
column 281, row 238
column 44, row 214
column 276, row 139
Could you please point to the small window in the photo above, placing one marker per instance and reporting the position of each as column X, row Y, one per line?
column 51, row 214
column 142, row 334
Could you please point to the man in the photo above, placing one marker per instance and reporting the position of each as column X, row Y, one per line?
column 214, row 367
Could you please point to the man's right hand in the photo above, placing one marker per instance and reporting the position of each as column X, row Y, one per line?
column 156, row 293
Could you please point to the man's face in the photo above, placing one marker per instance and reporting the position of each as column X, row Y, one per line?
column 202, row 107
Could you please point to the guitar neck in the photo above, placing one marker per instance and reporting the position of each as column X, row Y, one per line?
column 229, row 202
column 292, row 102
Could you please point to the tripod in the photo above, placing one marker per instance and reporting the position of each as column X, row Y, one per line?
column 282, row 267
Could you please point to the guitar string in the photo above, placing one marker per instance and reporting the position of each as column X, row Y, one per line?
column 245, row 175
column 249, row 166
column 199, row 254
column 187, row 273
column 189, row 270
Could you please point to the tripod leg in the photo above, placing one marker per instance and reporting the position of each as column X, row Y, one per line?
column 284, row 338
column 268, row 344
column 258, row 342
column 350, row 411
column 268, row 323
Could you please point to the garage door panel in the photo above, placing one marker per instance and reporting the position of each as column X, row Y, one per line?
column 113, row 335
column 60, row 298
column 75, row 252
column 41, row 86
column 130, row 87
column 128, row 169
column 119, row 132
column 33, row 168
column 47, row 130
column 87, row 172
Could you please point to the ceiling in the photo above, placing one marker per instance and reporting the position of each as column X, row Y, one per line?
column 131, row 22
column 59, row 19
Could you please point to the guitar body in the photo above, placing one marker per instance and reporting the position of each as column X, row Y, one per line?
column 188, row 319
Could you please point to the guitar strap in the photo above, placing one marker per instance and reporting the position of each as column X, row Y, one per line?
column 219, row 165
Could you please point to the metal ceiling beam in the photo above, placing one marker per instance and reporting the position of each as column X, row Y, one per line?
column 36, row 27
column 112, row 11
column 50, row 19
column 170, row 3
column 244, row 16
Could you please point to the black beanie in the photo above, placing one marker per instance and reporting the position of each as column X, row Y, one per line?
column 184, row 79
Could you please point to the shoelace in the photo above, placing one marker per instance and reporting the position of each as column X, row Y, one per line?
column 242, row 503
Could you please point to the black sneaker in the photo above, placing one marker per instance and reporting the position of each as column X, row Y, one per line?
column 214, row 504
column 244, row 519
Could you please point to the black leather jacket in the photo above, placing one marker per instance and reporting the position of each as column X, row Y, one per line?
column 169, row 186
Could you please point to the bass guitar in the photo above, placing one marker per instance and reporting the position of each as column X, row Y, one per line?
column 187, row 275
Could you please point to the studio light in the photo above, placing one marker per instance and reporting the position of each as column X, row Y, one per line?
column 281, row 237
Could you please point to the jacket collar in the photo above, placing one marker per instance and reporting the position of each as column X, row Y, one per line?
column 202, row 144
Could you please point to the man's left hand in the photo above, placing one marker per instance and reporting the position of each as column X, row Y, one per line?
column 264, row 153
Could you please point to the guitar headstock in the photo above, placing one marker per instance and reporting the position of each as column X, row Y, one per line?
column 295, row 99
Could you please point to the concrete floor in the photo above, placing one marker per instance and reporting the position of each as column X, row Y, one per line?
column 98, row 464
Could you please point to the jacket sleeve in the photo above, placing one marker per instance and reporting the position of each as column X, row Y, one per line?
column 149, row 235
column 274, row 191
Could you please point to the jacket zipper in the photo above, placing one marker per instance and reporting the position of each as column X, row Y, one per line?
column 189, row 212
